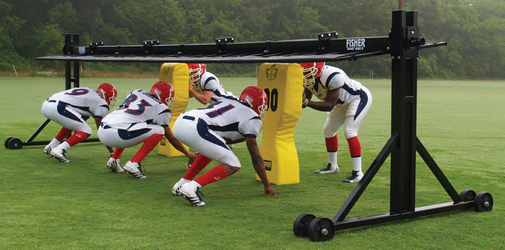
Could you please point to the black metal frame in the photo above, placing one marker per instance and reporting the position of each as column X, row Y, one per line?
column 403, row 44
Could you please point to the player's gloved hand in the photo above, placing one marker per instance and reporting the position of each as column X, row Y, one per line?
column 305, row 101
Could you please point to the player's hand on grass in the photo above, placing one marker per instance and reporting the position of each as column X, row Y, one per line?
column 269, row 191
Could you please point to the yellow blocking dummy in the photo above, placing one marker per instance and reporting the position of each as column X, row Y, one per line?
column 283, row 84
column 176, row 74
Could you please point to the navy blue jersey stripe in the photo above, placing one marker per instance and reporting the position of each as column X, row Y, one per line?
column 329, row 78
column 207, row 81
column 230, row 127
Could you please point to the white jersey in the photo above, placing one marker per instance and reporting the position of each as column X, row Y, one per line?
column 210, row 82
column 140, row 107
column 229, row 119
column 84, row 100
column 333, row 78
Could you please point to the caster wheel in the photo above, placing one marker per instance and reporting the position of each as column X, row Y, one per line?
column 468, row 195
column 301, row 225
column 6, row 143
column 483, row 202
column 321, row 229
column 14, row 143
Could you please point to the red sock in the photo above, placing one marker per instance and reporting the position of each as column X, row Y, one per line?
column 215, row 174
column 76, row 138
column 354, row 146
column 331, row 144
column 147, row 147
column 117, row 153
column 64, row 133
column 200, row 163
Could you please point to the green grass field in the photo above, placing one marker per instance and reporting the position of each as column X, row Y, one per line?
column 45, row 204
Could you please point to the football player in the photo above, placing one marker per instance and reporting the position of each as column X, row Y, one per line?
column 204, row 86
column 347, row 102
column 71, row 108
column 142, row 118
column 209, row 130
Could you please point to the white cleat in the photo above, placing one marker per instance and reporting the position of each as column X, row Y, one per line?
column 59, row 154
column 355, row 177
column 47, row 150
column 328, row 169
column 176, row 190
column 113, row 165
column 190, row 192
column 134, row 169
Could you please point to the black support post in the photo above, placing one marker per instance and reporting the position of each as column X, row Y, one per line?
column 403, row 111
column 71, row 72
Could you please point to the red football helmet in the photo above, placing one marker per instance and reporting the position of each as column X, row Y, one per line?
column 165, row 92
column 256, row 98
column 196, row 70
column 311, row 71
column 108, row 93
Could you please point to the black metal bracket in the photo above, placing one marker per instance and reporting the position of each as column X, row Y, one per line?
column 324, row 39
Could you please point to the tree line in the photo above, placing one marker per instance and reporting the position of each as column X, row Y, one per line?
column 473, row 29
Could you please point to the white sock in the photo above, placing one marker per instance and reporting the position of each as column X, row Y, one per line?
column 64, row 146
column 54, row 143
column 356, row 163
column 332, row 159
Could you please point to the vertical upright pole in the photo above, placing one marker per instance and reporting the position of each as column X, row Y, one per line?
column 68, row 64
column 404, row 112
column 68, row 49
column 76, row 64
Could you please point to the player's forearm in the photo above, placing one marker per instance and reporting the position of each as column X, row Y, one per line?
column 321, row 106
column 200, row 98
column 260, row 169
column 178, row 145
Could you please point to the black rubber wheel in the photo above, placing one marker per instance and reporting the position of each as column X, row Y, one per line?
column 301, row 225
column 14, row 143
column 321, row 229
column 483, row 202
column 6, row 143
column 468, row 195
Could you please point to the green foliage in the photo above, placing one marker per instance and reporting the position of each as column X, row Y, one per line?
column 474, row 30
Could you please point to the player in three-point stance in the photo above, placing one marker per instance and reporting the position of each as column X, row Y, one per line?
column 71, row 108
column 209, row 130
column 347, row 102
column 144, row 117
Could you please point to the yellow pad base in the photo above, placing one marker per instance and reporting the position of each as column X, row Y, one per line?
column 177, row 75
column 283, row 84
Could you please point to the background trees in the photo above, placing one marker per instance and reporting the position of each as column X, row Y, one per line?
column 474, row 29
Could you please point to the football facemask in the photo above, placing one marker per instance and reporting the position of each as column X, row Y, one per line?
column 311, row 71
column 196, row 70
